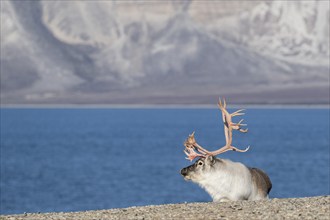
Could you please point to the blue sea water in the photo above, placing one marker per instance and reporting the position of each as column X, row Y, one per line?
column 87, row 159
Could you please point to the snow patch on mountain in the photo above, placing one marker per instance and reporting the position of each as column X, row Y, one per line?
column 109, row 51
column 295, row 31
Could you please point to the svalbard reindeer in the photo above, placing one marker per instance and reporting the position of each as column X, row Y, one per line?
column 224, row 179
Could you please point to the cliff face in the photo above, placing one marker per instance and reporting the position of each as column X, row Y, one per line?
column 164, row 52
column 293, row 208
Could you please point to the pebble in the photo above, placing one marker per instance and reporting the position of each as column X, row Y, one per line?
column 291, row 208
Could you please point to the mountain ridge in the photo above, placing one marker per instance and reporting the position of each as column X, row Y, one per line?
column 96, row 53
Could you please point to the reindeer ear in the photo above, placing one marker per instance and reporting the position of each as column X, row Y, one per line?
column 210, row 160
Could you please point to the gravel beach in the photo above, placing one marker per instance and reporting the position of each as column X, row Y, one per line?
column 292, row 208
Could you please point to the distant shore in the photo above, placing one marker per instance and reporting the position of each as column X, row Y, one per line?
column 164, row 106
column 291, row 208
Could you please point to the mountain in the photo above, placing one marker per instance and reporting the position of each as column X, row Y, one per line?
column 164, row 52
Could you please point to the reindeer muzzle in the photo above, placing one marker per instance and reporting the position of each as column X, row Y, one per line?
column 184, row 171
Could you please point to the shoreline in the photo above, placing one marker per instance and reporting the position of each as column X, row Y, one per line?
column 162, row 106
column 289, row 208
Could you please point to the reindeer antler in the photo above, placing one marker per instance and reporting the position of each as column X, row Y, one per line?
column 191, row 144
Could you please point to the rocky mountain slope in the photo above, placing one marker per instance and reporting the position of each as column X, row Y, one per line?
column 118, row 52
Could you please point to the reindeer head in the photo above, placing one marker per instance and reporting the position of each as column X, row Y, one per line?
column 198, row 171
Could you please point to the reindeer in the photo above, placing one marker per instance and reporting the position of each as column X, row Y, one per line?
column 224, row 179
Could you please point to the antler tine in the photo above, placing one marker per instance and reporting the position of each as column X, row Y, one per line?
column 237, row 126
column 222, row 106
column 192, row 154
column 190, row 141
column 240, row 123
column 201, row 149
column 228, row 148
column 239, row 150
column 191, row 145
column 224, row 103
column 237, row 113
